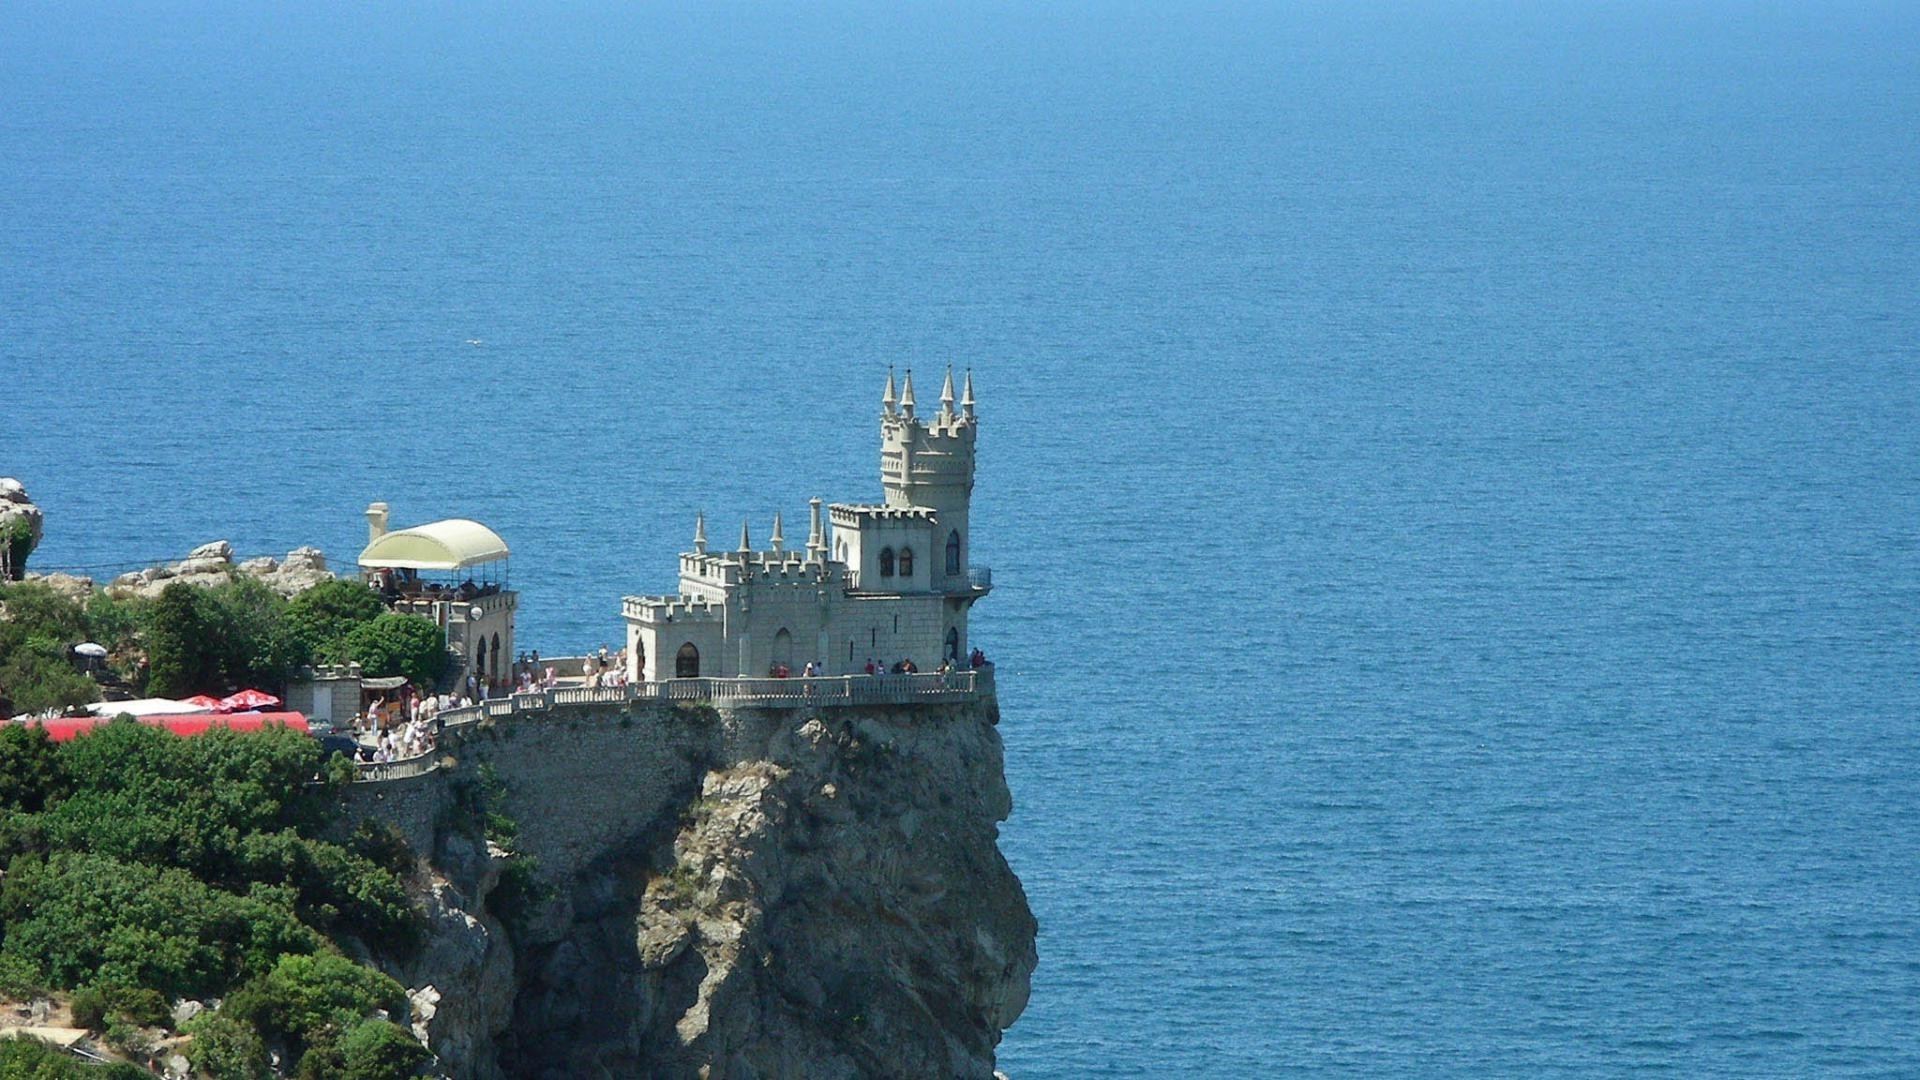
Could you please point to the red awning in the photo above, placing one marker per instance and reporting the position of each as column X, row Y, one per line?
column 69, row 727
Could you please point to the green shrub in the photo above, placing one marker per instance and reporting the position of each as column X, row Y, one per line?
column 323, row 617
column 31, row 1059
column 20, row 980
column 381, row 1050
column 225, row 1048
column 140, row 1005
column 396, row 644
column 89, row 1008
column 305, row 998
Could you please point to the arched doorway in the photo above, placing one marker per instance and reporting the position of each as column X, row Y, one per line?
column 493, row 660
column 639, row 660
column 783, row 649
column 686, row 663
column 480, row 660
column 953, row 644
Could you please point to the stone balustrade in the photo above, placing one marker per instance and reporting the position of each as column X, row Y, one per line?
column 797, row 692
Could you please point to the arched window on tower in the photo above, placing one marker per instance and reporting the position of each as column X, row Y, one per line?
column 886, row 562
column 953, row 553
column 906, row 562
column 686, row 664
column 480, row 659
column 493, row 660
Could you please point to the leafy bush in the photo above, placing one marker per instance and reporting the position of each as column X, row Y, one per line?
column 304, row 999
column 225, row 1048
column 381, row 1050
column 178, row 661
column 31, row 1059
column 214, row 639
column 397, row 644
column 18, row 538
column 89, row 1008
column 37, row 675
column 323, row 617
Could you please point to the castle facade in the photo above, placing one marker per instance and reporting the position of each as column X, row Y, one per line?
column 888, row 583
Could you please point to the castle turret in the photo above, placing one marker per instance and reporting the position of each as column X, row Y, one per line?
column 930, row 465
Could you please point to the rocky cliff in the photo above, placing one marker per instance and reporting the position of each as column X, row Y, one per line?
column 739, row 895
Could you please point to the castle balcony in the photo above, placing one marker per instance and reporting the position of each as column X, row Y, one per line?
column 799, row 692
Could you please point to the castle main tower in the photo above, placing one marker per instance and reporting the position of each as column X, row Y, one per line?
column 928, row 463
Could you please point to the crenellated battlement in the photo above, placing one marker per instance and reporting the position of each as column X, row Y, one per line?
column 884, row 584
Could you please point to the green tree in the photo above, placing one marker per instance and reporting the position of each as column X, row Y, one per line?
column 252, row 644
column 323, row 617
column 41, row 612
column 36, row 675
column 179, row 633
column 381, row 1050
column 31, row 774
column 18, row 538
column 225, row 1048
column 396, row 644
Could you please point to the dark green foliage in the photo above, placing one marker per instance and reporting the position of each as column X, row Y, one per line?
column 41, row 612
column 323, row 617
column 252, row 643
column 396, row 644
column 95, row 918
column 225, row 1048
column 381, row 1050
column 177, row 647
column 18, row 538
column 89, row 1008
column 147, row 866
column 31, row 1059
column 219, row 639
column 35, row 672
column 309, row 999
column 31, row 773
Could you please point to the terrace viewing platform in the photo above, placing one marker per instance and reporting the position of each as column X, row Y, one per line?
column 798, row 692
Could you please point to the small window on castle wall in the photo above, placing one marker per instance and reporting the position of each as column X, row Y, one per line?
column 906, row 562
column 886, row 562
column 953, row 552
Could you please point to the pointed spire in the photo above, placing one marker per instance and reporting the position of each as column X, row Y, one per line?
column 966, row 396
column 816, row 537
column 887, row 399
column 946, row 394
column 779, row 539
column 746, row 545
column 906, row 396
column 700, row 534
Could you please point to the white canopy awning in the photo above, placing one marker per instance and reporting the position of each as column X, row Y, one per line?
column 441, row 545
column 153, row 706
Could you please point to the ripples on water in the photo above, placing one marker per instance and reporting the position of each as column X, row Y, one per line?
column 1450, row 477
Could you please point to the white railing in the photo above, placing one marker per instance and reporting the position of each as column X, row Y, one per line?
column 799, row 692
column 418, row 765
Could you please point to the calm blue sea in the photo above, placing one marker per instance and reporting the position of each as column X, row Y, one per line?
column 1451, row 470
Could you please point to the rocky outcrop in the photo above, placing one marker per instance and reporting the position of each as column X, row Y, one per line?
column 213, row 563
column 15, row 508
column 769, row 894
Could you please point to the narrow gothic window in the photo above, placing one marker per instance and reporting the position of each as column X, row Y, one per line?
column 953, row 644
column 953, row 553
column 886, row 562
column 686, row 665
column 906, row 562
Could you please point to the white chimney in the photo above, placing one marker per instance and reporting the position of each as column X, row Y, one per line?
column 376, row 521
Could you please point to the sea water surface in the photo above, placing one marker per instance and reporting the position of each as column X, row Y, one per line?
column 1450, row 470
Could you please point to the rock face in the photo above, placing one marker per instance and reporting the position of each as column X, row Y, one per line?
column 15, row 506
column 762, row 895
column 212, row 563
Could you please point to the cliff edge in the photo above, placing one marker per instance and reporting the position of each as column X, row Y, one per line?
column 743, row 894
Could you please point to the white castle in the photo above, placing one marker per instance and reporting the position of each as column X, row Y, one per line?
column 891, row 583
